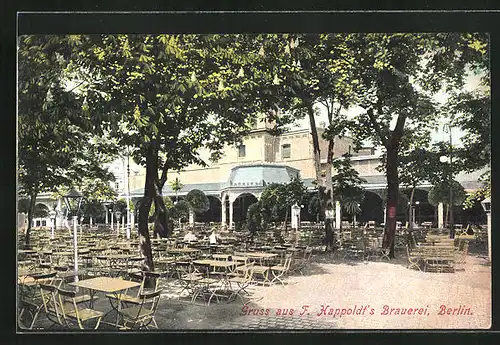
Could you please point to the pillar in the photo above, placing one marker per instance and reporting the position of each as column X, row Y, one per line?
column 132, row 220
column 295, row 212
column 106, row 216
column 385, row 215
column 123, row 224
column 338, row 215
column 191, row 218
column 223, row 210
column 111, row 220
column 231, row 214
column 440, row 216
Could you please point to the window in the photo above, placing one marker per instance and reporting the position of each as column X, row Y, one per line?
column 241, row 151
column 117, row 185
column 285, row 151
column 44, row 222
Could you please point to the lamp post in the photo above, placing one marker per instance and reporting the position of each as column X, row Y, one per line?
column 443, row 159
column 73, row 201
column 486, row 203
column 418, row 211
column 52, row 215
column 118, row 214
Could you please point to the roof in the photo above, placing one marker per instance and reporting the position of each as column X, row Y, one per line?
column 261, row 174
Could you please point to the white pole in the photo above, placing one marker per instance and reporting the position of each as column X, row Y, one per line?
column 52, row 228
column 111, row 220
column 75, row 244
column 107, row 216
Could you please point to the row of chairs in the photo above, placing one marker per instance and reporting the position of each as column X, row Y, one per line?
column 67, row 308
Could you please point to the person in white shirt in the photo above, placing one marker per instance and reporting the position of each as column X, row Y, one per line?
column 190, row 236
column 213, row 238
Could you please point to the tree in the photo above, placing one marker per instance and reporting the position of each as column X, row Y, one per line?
column 176, row 186
column 309, row 70
column 166, row 96
column 254, row 218
column 314, row 207
column 181, row 210
column 53, row 122
column 440, row 193
column 198, row 201
column 277, row 199
column 23, row 205
column 346, row 184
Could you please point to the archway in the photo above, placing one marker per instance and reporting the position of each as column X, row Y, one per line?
column 240, row 207
column 372, row 208
column 214, row 212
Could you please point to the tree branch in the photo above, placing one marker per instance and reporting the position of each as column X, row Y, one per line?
column 377, row 128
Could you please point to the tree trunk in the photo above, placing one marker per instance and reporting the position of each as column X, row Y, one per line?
column 31, row 210
column 392, row 199
column 325, row 197
column 145, row 206
column 285, row 225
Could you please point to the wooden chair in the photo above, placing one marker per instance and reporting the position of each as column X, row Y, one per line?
column 142, row 315
column 279, row 271
column 50, row 304
column 414, row 258
column 242, row 279
column 73, row 314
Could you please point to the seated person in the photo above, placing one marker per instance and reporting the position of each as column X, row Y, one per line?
column 213, row 238
column 190, row 236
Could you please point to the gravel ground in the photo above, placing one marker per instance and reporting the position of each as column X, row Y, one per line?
column 343, row 295
column 374, row 285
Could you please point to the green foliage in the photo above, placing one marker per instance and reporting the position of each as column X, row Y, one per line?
column 23, row 205
column 93, row 208
column 198, row 201
column 440, row 193
column 346, row 181
column 480, row 194
column 41, row 211
column 180, row 210
column 166, row 201
column 121, row 206
column 314, row 206
column 254, row 217
column 277, row 199
column 176, row 185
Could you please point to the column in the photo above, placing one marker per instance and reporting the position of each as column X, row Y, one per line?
column 111, row 220
column 231, row 213
column 132, row 221
column 440, row 215
column 385, row 215
column 123, row 224
column 223, row 211
column 191, row 218
column 106, row 216
column 338, row 215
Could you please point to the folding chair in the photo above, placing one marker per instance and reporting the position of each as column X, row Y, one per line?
column 278, row 271
column 142, row 315
column 72, row 313
column 242, row 281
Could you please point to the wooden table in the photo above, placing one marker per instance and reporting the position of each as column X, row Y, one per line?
column 106, row 285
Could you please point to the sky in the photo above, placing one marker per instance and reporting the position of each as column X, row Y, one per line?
column 472, row 82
